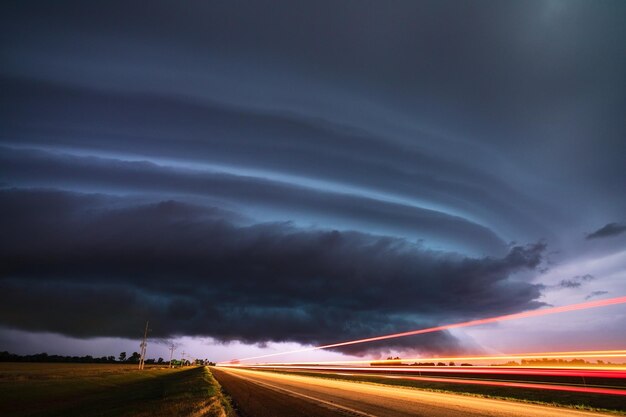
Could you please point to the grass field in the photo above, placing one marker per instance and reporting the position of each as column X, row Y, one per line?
column 39, row 389
column 594, row 402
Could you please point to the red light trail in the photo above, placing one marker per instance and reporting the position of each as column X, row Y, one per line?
column 512, row 356
column 568, row 388
column 526, row 314
column 470, row 370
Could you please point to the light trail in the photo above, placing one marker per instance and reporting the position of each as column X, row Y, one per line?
column 358, row 391
column 514, row 356
column 470, row 370
column 567, row 388
column 526, row 314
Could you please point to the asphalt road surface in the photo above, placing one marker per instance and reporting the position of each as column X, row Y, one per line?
column 265, row 394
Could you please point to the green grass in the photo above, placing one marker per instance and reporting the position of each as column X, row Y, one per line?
column 592, row 402
column 68, row 390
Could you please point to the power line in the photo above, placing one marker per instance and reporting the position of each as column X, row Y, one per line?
column 172, row 348
column 143, row 345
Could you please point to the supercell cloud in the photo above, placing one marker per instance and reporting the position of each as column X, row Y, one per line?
column 192, row 270
column 306, row 172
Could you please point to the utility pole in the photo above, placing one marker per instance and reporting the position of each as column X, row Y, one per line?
column 171, row 355
column 143, row 345
column 182, row 362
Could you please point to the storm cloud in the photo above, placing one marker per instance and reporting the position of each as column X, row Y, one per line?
column 97, row 265
column 575, row 282
column 306, row 171
column 297, row 201
column 609, row 230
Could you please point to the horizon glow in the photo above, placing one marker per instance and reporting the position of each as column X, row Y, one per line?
column 534, row 313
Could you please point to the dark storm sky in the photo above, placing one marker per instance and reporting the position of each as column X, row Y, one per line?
column 307, row 171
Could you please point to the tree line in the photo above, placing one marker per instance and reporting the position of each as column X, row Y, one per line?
column 391, row 361
column 122, row 358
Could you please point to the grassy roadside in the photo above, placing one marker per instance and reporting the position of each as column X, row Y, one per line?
column 225, row 403
column 580, row 401
column 41, row 390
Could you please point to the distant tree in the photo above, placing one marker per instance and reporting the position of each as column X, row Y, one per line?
column 391, row 361
column 44, row 357
column 134, row 358
column 509, row 363
column 452, row 364
column 423, row 364
column 441, row 364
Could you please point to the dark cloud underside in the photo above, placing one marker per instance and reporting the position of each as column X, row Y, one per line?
column 306, row 171
column 96, row 266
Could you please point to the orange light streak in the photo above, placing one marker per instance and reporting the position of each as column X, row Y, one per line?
column 513, row 356
column 469, row 370
column 567, row 388
column 526, row 314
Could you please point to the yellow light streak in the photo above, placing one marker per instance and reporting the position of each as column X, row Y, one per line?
column 511, row 357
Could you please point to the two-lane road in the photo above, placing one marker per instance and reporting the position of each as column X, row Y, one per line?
column 265, row 394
